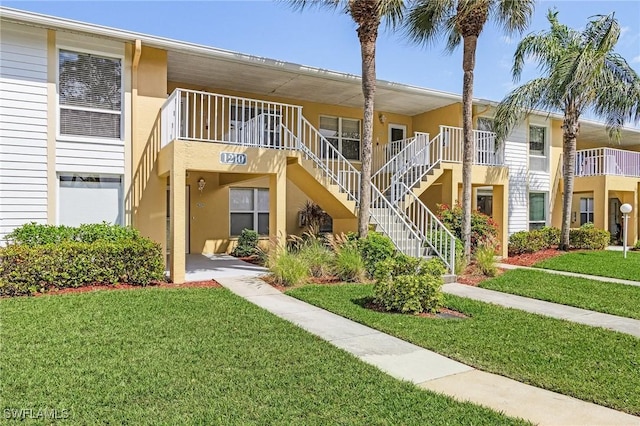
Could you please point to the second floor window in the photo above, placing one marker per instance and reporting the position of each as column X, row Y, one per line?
column 537, row 142
column 90, row 95
column 344, row 134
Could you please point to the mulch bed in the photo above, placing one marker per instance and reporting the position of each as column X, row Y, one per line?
column 251, row 259
column 530, row 259
column 122, row 286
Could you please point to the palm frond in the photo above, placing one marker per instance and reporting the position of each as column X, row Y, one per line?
column 428, row 20
column 520, row 102
column 513, row 15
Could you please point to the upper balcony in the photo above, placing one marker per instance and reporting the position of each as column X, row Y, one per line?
column 607, row 162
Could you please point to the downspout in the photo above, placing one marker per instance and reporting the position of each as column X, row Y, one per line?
column 137, row 51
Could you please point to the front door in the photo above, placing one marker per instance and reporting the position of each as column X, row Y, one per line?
column 397, row 133
column 187, row 214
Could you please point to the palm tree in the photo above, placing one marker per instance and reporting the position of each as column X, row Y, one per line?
column 464, row 20
column 367, row 14
column 581, row 73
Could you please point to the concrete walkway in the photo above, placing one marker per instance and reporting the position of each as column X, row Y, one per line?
column 571, row 274
column 555, row 310
column 409, row 362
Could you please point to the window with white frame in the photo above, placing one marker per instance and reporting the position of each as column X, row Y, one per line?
column 249, row 209
column 90, row 198
column 537, row 210
column 586, row 210
column 343, row 133
column 538, row 148
column 90, row 95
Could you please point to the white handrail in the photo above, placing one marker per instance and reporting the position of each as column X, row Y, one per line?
column 430, row 229
column 486, row 152
column 329, row 160
column 607, row 161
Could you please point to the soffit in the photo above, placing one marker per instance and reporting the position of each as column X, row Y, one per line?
column 597, row 133
column 309, row 84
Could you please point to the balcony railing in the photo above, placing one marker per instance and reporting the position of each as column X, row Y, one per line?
column 486, row 152
column 607, row 162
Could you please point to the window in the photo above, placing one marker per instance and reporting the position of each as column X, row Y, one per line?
column 343, row 133
column 537, row 210
column 85, row 198
column 586, row 210
column 90, row 89
column 537, row 148
column 249, row 209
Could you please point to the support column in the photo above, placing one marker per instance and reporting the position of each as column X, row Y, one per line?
column 600, row 207
column 278, row 206
column 501, row 216
column 177, row 197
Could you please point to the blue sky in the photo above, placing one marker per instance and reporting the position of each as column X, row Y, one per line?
column 327, row 39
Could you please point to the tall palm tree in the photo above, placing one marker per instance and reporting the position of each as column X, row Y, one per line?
column 367, row 14
column 464, row 20
column 581, row 73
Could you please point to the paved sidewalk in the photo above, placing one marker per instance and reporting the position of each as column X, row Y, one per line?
column 555, row 310
column 571, row 274
column 409, row 362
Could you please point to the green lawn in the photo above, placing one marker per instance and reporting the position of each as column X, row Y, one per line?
column 605, row 263
column 195, row 356
column 599, row 296
column 589, row 363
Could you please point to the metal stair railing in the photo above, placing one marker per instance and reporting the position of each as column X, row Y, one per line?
column 426, row 158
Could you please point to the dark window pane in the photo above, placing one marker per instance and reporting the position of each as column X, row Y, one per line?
column 240, row 221
column 263, row 223
column 351, row 149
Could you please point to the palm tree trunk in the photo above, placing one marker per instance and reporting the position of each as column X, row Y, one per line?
column 368, row 38
column 570, row 128
column 468, row 64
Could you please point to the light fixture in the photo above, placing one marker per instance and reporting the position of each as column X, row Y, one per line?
column 382, row 118
column 625, row 209
column 201, row 184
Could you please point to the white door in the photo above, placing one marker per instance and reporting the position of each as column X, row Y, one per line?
column 84, row 198
column 187, row 215
column 397, row 133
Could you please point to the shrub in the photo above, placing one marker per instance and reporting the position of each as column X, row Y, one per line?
column 407, row 284
column 317, row 257
column 287, row 267
column 26, row 269
column 589, row 238
column 483, row 227
column 485, row 260
column 33, row 234
column 551, row 235
column 247, row 244
column 348, row 264
column 527, row 242
column 375, row 248
column 637, row 245
column 437, row 238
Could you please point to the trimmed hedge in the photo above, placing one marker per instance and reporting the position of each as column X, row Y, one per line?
column 409, row 285
column 584, row 238
column 44, row 257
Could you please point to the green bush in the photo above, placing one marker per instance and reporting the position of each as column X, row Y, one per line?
column 528, row 242
column 247, row 244
column 551, row 235
column 26, row 269
column 409, row 285
column 485, row 260
column 33, row 234
column 375, row 248
column 317, row 257
column 483, row 228
column 348, row 264
column 436, row 237
column 589, row 238
column 637, row 245
column 287, row 267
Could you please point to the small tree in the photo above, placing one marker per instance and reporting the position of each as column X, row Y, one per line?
column 581, row 72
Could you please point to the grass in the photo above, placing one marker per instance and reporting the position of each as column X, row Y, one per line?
column 195, row 356
column 599, row 296
column 605, row 263
column 589, row 363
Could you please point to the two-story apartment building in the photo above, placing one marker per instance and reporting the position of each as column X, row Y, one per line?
column 191, row 144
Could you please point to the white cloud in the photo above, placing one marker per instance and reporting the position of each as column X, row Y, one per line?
column 623, row 31
column 636, row 60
